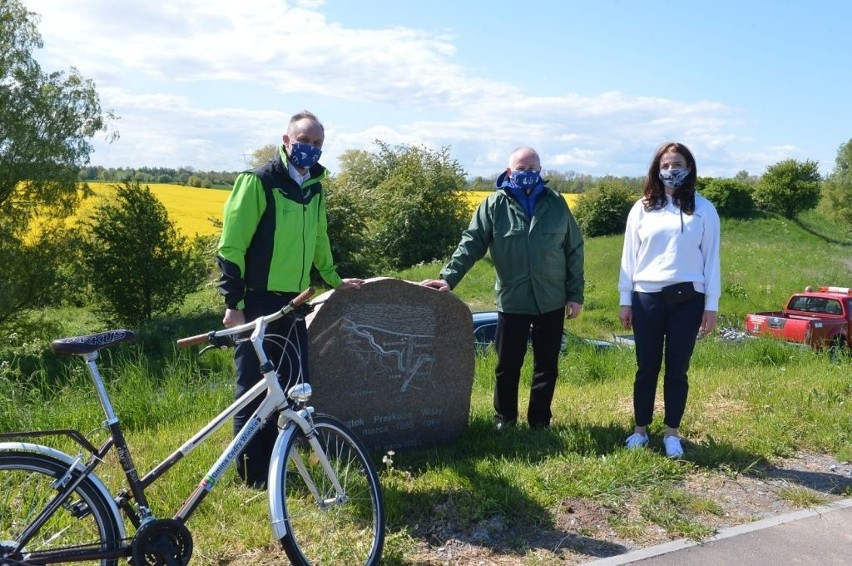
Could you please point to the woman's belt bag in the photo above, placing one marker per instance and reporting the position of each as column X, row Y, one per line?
column 678, row 293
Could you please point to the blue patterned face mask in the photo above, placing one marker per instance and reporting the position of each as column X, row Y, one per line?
column 673, row 178
column 526, row 179
column 304, row 154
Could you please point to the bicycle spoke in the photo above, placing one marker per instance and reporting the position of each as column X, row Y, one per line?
column 342, row 527
column 83, row 522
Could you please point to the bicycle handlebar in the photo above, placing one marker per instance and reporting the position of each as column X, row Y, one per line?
column 211, row 336
column 192, row 340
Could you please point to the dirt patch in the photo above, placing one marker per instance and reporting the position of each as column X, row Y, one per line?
column 583, row 530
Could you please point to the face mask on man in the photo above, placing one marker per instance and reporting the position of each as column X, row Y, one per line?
column 673, row 178
column 526, row 179
column 304, row 155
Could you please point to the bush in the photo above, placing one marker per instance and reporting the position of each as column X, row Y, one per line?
column 135, row 259
column 347, row 230
column 603, row 210
column 788, row 188
column 836, row 200
column 414, row 210
column 731, row 198
column 29, row 274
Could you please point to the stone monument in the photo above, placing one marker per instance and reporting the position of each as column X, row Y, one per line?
column 394, row 361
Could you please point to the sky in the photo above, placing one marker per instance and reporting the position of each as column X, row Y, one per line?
column 595, row 86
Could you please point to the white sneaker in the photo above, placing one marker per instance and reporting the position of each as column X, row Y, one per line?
column 673, row 446
column 637, row 440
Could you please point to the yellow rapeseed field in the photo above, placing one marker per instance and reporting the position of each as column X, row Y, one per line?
column 192, row 208
column 476, row 197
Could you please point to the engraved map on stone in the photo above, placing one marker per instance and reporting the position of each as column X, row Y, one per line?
column 394, row 361
column 405, row 359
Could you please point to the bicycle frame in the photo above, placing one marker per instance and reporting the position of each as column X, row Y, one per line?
column 275, row 400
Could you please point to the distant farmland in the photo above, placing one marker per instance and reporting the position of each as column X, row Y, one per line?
column 191, row 208
column 476, row 197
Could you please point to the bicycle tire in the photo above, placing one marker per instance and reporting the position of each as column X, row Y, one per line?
column 26, row 480
column 347, row 533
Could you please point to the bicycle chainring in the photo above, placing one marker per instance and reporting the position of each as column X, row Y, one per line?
column 162, row 542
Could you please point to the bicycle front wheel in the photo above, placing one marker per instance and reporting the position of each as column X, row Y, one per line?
column 323, row 526
column 83, row 522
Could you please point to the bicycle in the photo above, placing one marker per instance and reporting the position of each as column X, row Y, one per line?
column 325, row 501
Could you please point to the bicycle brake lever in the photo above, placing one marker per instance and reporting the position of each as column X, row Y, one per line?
column 221, row 342
column 303, row 310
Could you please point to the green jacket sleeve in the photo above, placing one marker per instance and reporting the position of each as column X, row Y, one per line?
column 240, row 217
column 574, row 256
column 473, row 245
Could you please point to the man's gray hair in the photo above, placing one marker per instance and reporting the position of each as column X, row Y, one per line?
column 303, row 115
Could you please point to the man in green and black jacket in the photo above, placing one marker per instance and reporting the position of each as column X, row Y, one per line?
column 274, row 229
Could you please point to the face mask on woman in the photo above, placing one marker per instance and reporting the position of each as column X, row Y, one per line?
column 673, row 178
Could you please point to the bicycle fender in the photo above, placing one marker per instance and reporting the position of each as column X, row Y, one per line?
column 69, row 461
column 276, row 465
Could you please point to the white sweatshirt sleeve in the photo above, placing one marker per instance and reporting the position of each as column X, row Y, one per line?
column 710, row 251
column 629, row 252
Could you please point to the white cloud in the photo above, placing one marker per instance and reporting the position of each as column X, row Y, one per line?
column 203, row 81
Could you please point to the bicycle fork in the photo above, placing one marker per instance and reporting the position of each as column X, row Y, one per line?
column 298, row 421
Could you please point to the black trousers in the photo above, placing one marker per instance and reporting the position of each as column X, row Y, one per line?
column 513, row 333
column 663, row 331
column 286, row 345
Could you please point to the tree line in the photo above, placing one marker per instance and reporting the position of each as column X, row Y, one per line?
column 182, row 176
column 560, row 181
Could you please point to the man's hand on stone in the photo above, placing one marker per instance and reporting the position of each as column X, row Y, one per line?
column 437, row 284
column 351, row 283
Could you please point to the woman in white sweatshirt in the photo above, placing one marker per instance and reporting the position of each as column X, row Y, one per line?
column 669, row 287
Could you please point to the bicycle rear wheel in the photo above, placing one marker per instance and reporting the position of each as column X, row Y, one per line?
column 27, row 484
column 322, row 526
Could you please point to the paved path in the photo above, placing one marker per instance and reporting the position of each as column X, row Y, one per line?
column 820, row 536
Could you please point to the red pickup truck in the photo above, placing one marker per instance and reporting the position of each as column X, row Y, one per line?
column 820, row 319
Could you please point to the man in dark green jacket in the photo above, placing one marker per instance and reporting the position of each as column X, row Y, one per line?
column 537, row 250
column 273, row 231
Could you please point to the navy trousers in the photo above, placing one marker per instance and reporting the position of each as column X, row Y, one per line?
column 663, row 331
column 286, row 344
column 513, row 333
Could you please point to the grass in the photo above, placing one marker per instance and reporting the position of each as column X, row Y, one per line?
column 750, row 403
column 802, row 497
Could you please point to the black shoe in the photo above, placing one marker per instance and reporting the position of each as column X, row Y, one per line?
column 503, row 425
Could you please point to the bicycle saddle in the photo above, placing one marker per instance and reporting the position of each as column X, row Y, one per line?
column 91, row 342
